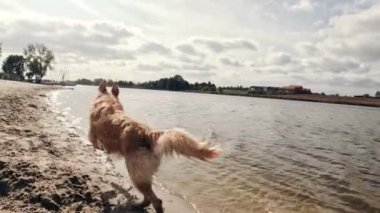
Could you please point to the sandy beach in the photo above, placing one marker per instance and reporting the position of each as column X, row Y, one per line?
column 45, row 167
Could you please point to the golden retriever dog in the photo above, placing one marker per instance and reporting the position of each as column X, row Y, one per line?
column 112, row 130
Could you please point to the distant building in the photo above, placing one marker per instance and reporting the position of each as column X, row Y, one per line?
column 272, row 90
column 294, row 89
column 377, row 95
column 263, row 90
column 257, row 90
column 286, row 90
column 291, row 89
column 362, row 96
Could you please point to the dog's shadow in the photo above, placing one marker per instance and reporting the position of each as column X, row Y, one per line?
column 126, row 207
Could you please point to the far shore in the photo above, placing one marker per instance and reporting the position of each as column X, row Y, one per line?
column 369, row 102
column 332, row 99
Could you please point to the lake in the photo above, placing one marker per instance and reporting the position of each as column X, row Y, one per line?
column 278, row 155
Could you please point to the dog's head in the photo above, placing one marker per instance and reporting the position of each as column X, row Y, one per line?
column 109, row 98
column 103, row 89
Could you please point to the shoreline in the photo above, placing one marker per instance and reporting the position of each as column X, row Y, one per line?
column 353, row 101
column 45, row 167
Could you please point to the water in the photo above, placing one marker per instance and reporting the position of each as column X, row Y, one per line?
column 278, row 156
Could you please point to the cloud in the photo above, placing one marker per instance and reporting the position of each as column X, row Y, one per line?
column 85, row 7
column 342, row 83
column 94, row 40
column 153, row 47
column 230, row 62
column 278, row 58
column 354, row 35
column 302, row 5
column 272, row 70
column 335, row 65
column 189, row 50
column 148, row 67
column 201, row 67
column 116, row 63
column 196, row 75
column 161, row 66
column 361, row 82
column 223, row 45
column 190, row 60
column 71, row 59
column 116, row 30
column 165, row 66
column 306, row 49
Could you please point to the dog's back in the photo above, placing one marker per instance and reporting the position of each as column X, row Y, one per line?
column 110, row 128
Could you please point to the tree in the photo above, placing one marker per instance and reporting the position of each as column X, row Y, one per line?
column 125, row 84
column 109, row 82
column 39, row 60
column 84, row 81
column 97, row 81
column 14, row 65
column 29, row 75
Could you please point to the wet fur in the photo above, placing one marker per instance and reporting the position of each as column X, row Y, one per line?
column 116, row 133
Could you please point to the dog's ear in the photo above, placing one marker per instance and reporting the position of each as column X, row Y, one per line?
column 115, row 90
column 103, row 86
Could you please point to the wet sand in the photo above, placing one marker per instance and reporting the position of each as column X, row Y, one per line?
column 45, row 167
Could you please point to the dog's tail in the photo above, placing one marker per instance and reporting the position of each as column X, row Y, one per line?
column 181, row 142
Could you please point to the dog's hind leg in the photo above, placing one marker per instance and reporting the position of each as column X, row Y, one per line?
column 149, row 197
column 142, row 185
column 141, row 166
column 147, row 191
column 157, row 202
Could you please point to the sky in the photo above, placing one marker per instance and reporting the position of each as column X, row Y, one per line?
column 330, row 46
